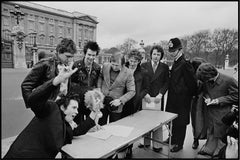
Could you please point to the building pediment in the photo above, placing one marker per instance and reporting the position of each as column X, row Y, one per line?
column 87, row 18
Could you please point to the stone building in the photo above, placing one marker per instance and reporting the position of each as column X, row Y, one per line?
column 50, row 24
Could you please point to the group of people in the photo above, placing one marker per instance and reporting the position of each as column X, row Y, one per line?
column 56, row 87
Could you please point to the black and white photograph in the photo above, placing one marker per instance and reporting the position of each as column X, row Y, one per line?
column 119, row 79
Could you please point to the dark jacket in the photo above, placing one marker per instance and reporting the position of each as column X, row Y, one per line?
column 182, row 87
column 40, row 73
column 48, row 131
column 81, row 81
column 158, row 80
column 141, row 80
column 225, row 89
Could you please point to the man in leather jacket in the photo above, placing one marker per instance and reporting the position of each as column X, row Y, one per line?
column 47, row 69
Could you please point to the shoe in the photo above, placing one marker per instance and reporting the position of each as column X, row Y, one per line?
column 157, row 149
column 195, row 144
column 204, row 153
column 142, row 146
column 176, row 148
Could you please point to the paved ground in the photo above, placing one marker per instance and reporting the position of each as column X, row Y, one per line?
column 15, row 116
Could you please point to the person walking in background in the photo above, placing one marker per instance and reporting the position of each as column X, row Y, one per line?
column 182, row 87
column 47, row 69
column 141, row 80
column 117, row 84
column 159, row 77
column 220, row 93
column 198, row 109
column 52, row 126
column 86, row 77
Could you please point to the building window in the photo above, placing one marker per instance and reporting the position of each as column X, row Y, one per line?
column 31, row 25
column 51, row 28
column 42, row 39
column 51, row 40
column 60, row 30
column 41, row 27
column 5, row 21
column 6, row 34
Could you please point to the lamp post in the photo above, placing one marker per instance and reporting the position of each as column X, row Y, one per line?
column 17, row 13
column 142, row 51
column 34, row 47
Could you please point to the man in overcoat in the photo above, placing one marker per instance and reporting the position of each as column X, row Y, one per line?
column 159, row 77
column 220, row 92
column 182, row 87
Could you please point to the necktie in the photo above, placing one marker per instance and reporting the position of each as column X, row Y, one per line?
column 154, row 67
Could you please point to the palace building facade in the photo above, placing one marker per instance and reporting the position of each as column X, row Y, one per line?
column 50, row 26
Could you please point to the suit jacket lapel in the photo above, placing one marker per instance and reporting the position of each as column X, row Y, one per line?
column 150, row 68
column 157, row 72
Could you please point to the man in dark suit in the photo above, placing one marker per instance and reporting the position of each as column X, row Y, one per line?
column 159, row 76
column 182, row 87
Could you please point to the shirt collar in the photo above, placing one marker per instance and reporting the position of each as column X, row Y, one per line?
column 153, row 63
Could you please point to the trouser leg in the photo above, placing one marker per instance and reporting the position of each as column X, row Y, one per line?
column 158, row 135
column 179, row 133
column 147, row 141
column 211, row 144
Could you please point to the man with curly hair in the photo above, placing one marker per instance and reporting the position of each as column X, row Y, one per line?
column 45, row 70
column 86, row 77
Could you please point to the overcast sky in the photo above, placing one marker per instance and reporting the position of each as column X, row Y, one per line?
column 152, row 21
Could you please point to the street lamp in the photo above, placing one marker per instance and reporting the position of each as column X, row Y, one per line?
column 17, row 13
column 142, row 51
column 34, row 47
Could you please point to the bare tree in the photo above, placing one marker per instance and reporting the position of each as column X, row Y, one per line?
column 128, row 45
column 224, row 41
column 198, row 44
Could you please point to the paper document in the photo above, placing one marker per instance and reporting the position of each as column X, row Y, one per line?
column 152, row 105
column 101, row 134
column 119, row 130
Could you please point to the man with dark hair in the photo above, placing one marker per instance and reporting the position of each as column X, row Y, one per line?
column 47, row 69
column 52, row 126
column 42, row 55
column 220, row 92
column 182, row 88
column 86, row 77
column 159, row 76
column 114, row 80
